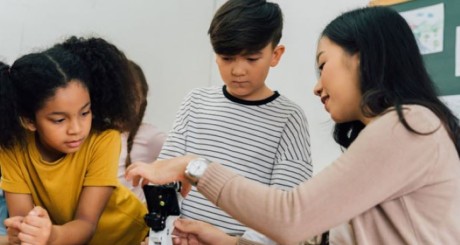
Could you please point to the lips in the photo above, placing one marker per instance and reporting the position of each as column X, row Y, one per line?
column 74, row 143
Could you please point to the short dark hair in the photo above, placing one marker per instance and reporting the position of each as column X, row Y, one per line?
column 392, row 72
column 245, row 26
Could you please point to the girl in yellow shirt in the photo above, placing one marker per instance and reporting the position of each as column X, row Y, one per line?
column 59, row 146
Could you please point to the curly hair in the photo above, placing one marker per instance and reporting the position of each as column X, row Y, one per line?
column 111, row 83
column 34, row 78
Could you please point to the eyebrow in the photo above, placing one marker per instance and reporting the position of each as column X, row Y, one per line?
column 63, row 113
column 318, row 55
column 252, row 53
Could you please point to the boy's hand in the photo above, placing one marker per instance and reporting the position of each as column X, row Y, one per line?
column 193, row 232
column 12, row 224
column 36, row 227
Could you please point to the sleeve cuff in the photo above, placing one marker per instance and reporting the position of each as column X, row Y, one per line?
column 213, row 181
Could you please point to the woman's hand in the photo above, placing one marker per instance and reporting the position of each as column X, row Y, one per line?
column 160, row 172
column 193, row 232
column 36, row 227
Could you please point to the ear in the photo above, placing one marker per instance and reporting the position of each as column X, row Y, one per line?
column 28, row 124
column 277, row 53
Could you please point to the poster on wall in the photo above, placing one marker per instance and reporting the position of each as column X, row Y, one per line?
column 457, row 52
column 427, row 24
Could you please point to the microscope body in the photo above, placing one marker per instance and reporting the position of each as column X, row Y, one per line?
column 163, row 203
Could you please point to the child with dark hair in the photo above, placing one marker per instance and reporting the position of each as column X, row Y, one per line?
column 143, row 141
column 244, row 119
column 398, row 180
column 60, row 145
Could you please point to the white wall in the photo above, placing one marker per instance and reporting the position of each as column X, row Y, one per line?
column 168, row 38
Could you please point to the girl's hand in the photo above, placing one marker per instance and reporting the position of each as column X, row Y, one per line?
column 36, row 227
column 12, row 224
column 160, row 172
column 193, row 232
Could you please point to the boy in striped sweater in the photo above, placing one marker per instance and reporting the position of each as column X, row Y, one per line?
column 244, row 119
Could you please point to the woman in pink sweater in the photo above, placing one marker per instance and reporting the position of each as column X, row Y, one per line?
column 398, row 180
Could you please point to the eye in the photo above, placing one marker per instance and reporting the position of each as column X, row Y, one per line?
column 85, row 113
column 57, row 121
column 252, row 59
column 320, row 68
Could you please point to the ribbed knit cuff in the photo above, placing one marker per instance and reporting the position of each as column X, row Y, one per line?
column 243, row 241
column 213, row 181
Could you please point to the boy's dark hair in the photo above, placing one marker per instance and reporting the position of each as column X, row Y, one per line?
column 392, row 72
column 33, row 78
column 245, row 26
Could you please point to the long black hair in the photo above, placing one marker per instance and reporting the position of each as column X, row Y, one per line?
column 33, row 78
column 392, row 71
column 142, row 89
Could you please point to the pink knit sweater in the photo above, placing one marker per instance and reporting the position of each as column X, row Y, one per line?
column 394, row 186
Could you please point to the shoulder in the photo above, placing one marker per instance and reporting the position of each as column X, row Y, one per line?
column 204, row 96
column 106, row 134
column 288, row 103
column 290, row 106
column 149, row 131
column 418, row 117
column 106, row 137
column 18, row 149
column 205, row 91
column 389, row 128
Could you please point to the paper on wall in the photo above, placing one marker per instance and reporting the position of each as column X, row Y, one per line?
column 427, row 24
column 457, row 53
column 453, row 102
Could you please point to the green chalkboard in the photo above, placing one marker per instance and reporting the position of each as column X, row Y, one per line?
column 441, row 65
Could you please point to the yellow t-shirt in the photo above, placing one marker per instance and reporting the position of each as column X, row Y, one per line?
column 57, row 186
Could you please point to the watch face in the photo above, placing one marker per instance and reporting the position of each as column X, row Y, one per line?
column 197, row 167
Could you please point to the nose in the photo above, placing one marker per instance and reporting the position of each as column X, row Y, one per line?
column 74, row 127
column 318, row 89
column 238, row 68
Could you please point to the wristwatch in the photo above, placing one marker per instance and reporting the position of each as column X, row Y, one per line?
column 195, row 169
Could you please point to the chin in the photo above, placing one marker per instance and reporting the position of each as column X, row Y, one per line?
column 70, row 151
column 337, row 119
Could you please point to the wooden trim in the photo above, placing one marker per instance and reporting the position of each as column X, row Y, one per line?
column 386, row 2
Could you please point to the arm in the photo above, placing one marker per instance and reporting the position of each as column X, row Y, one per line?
column 36, row 227
column 19, row 205
column 90, row 207
column 197, row 232
column 293, row 159
column 355, row 182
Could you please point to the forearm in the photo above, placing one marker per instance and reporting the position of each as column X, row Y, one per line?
column 293, row 216
column 256, row 237
column 73, row 232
